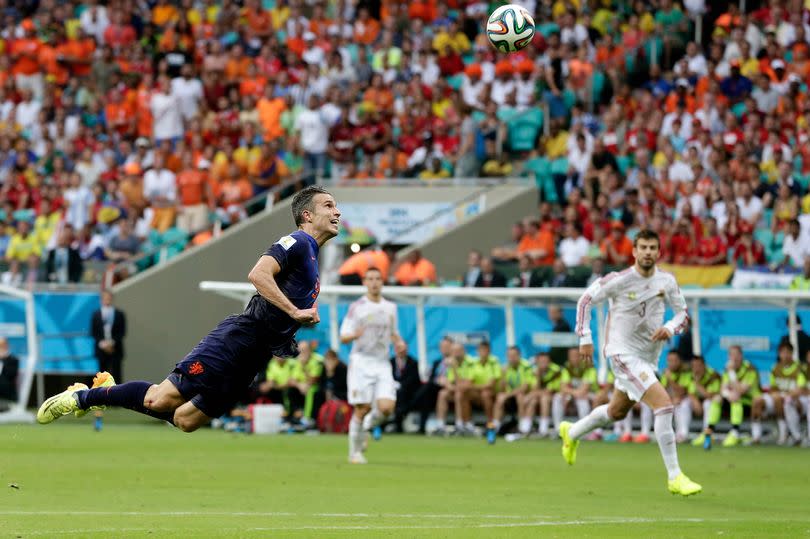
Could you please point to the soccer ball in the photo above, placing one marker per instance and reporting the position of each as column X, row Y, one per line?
column 510, row 28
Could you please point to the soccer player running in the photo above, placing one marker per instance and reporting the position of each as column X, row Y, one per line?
column 219, row 370
column 633, row 343
column 371, row 327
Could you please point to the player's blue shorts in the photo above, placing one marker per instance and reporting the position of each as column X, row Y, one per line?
column 217, row 373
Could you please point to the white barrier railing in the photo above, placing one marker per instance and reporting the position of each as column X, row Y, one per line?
column 507, row 297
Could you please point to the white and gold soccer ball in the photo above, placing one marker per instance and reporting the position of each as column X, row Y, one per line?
column 510, row 28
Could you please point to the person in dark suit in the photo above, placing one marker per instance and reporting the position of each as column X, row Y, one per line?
column 559, row 355
column 526, row 277
column 427, row 393
column 108, row 328
column 489, row 277
column 9, row 366
column 406, row 375
column 64, row 263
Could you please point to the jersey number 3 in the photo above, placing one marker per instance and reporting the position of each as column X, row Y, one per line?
column 643, row 310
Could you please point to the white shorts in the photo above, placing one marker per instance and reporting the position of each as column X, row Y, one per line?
column 369, row 383
column 634, row 376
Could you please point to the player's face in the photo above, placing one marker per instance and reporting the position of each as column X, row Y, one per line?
column 542, row 362
column 373, row 282
column 698, row 368
column 513, row 357
column 325, row 215
column 785, row 354
column 646, row 253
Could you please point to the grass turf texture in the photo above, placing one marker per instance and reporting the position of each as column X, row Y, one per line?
column 146, row 480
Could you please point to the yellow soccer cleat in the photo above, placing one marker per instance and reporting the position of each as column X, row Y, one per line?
column 698, row 442
column 569, row 446
column 60, row 404
column 731, row 440
column 101, row 379
column 684, row 486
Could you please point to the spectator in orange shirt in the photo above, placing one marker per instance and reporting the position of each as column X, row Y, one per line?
column 195, row 195
column 236, row 68
column 379, row 94
column 234, row 191
column 49, row 59
column 25, row 54
column 537, row 244
column 253, row 84
column 415, row 270
column 618, row 248
column 77, row 53
column 366, row 29
column 257, row 18
column 119, row 114
column 393, row 163
column 270, row 109
column 353, row 268
column 163, row 13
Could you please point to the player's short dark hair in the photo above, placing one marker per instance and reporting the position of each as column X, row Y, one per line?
column 302, row 201
column 515, row 348
column 372, row 268
column 646, row 234
column 699, row 358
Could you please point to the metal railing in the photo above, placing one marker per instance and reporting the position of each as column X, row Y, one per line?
column 507, row 298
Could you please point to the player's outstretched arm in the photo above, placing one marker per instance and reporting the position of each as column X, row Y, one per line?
column 263, row 277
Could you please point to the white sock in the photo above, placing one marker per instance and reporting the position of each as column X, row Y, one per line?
column 459, row 424
column 707, row 403
column 557, row 410
column 792, row 418
column 666, row 441
column 756, row 430
column 496, row 424
column 806, row 400
column 684, row 418
column 372, row 419
column 543, row 426
column 583, row 407
column 781, row 424
column 469, row 425
column 617, row 427
column 734, row 432
column 355, row 431
column 646, row 419
column 597, row 418
column 525, row 425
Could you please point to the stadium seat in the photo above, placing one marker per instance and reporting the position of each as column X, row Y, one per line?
column 541, row 168
column 624, row 162
column 548, row 28
column 763, row 236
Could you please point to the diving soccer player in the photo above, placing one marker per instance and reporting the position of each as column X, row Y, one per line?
column 633, row 342
column 371, row 326
column 218, row 371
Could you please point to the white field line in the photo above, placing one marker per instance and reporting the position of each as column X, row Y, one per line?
column 455, row 516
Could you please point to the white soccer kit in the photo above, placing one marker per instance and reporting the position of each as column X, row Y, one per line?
column 635, row 312
column 370, row 377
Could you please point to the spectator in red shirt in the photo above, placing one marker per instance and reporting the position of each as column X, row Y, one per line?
column 682, row 245
column 711, row 249
column 450, row 62
column 119, row 34
column 748, row 252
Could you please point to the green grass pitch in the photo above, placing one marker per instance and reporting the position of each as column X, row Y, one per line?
column 147, row 480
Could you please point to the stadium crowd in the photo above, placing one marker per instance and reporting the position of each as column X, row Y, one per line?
column 168, row 115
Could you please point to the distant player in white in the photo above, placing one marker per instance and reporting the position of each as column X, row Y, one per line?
column 371, row 327
column 634, row 339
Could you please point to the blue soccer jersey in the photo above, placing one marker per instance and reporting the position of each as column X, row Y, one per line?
column 297, row 255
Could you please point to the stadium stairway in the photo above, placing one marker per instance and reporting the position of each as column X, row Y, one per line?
column 167, row 314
